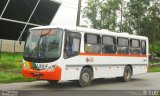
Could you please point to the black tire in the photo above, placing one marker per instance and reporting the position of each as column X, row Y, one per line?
column 126, row 74
column 85, row 77
column 53, row 81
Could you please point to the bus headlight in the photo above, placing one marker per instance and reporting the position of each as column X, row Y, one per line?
column 51, row 68
column 25, row 66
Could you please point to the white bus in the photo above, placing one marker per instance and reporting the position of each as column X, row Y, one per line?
column 56, row 53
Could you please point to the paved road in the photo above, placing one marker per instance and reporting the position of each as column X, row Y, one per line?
column 149, row 81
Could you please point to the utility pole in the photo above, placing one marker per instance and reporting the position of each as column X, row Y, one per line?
column 78, row 12
column 121, row 26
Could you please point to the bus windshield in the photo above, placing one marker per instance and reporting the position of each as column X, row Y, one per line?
column 43, row 45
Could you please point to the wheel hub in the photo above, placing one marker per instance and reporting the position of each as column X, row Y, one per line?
column 85, row 77
column 127, row 74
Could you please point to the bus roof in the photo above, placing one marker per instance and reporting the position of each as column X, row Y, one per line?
column 93, row 31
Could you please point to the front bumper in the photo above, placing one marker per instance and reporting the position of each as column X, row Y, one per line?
column 42, row 74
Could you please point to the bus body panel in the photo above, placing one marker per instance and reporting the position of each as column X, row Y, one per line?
column 103, row 66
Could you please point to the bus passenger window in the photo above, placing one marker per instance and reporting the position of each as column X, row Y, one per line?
column 92, row 43
column 123, row 46
column 143, row 47
column 72, row 44
column 135, row 46
column 108, row 44
column 69, row 46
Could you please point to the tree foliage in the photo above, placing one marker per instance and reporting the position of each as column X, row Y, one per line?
column 102, row 14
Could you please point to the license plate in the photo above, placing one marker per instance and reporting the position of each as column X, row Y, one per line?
column 36, row 74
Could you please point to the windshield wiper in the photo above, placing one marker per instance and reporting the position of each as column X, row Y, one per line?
column 35, row 47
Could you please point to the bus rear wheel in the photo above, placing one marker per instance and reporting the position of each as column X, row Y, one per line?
column 53, row 81
column 85, row 77
column 126, row 75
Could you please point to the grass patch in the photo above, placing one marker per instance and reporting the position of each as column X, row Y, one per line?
column 10, row 68
column 12, row 77
column 154, row 69
column 5, row 56
column 7, row 65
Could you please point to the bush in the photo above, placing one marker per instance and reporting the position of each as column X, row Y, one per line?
column 7, row 65
column 156, row 49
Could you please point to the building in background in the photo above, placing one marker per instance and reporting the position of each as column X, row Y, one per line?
column 67, row 13
column 17, row 16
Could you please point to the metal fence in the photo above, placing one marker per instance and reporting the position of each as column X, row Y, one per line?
column 11, row 46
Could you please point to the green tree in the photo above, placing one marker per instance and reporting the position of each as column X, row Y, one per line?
column 102, row 14
column 137, row 10
column 154, row 15
column 91, row 11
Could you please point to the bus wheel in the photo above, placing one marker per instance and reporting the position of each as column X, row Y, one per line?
column 85, row 77
column 126, row 75
column 53, row 81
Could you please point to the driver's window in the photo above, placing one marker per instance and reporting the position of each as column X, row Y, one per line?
column 72, row 44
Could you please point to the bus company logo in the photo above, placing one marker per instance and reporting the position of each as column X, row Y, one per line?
column 89, row 59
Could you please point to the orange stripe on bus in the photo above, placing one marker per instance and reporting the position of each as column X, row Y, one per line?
column 126, row 55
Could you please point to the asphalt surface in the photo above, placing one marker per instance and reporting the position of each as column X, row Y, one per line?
column 138, row 86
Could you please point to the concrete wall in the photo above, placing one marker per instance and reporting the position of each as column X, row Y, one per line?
column 11, row 46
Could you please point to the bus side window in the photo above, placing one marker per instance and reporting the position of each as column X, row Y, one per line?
column 72, row 44
column 68, row 46
column 108, row 44
column 143, row 47
column 92, row 43
column 122, row 45
column 135, row 46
